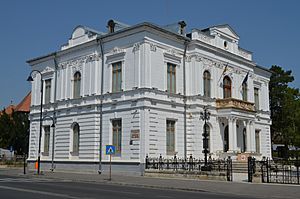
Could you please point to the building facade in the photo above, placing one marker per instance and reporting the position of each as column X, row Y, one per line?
column 142, row 88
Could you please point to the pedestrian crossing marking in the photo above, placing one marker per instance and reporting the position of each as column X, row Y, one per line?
column 110, row 149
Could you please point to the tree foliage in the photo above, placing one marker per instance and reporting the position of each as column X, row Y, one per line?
column 14, row 131
column 285, row 108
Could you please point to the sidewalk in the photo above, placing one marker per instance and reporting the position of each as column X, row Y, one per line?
column 236, row 188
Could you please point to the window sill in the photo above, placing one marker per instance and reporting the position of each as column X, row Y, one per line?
column 74, row 153
column 45, row 153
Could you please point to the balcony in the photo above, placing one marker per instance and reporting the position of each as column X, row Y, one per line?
column 235, row 103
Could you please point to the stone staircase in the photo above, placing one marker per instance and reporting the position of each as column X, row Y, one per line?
column 240, row 166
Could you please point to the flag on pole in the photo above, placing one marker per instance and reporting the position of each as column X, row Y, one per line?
column 245, row 79
column 224, row 71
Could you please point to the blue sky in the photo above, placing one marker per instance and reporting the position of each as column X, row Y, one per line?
column 31, row 28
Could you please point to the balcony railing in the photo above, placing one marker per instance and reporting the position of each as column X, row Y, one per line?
column 235, row 103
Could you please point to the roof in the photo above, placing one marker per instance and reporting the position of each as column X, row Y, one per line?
column 10, row 109
column 144, row 24
column 24, row 105
column 222, row 26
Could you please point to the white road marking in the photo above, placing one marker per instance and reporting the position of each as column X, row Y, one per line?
column 39, row 192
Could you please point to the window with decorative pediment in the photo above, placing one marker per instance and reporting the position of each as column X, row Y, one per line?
column 76, row 85
column 226, row 87
column 206, row 83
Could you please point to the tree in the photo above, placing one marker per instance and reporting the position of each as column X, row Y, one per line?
column 14, row 131
column 285, row 108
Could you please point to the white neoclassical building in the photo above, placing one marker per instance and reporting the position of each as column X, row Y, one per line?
column 142, row 88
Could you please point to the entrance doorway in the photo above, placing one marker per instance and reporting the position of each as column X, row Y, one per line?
column 226, row 139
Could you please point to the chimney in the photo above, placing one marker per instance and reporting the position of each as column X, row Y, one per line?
column 111, row 26
column 182, row 26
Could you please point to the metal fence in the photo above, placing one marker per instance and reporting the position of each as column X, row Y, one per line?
column 275, row 171
column 190, row 165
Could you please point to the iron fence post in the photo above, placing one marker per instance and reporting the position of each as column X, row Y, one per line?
column 250, row 169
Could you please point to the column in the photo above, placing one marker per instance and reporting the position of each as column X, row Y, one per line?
column 232, row 134
column 252, row 134
column 248, row 137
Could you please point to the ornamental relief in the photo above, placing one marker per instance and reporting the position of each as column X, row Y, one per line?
column 136, row 47
column 48, row 70
column 76, row 68
column 79, row 61
column 117, row 50
column 152, row 47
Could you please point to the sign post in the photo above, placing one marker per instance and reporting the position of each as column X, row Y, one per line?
column 110, row 150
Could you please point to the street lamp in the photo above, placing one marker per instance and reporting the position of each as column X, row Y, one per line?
column 205, row 115
column 30, row 79
column 53, row 133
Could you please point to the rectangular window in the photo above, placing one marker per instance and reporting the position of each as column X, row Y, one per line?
column 257, row 141
column 256, row 98
column 47, row 91
column 117, row 135
column 170, row 137
column 117, row 77
column 46, row 139
column 171, row 78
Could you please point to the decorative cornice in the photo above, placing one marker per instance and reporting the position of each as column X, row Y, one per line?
column 79, row 61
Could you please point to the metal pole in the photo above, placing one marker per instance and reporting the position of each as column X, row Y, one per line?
column 101, row 106
column 41, row 125
column 205, row 138
column 52, row 158
column 109, row 167
column 24, row 163
column 54, row 114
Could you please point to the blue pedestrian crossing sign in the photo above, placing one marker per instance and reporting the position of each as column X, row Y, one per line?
column 110, row 149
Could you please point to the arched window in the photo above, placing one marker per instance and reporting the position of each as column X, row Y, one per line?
column 206, row 83
column 76, row 85
column 207, row 142
column 244, row 91
column 76, row 132
column 226, row 87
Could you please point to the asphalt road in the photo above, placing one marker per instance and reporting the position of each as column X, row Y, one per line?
column 20, row 187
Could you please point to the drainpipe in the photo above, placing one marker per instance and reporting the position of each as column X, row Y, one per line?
column 184, row 100
column 54, row 112
column 101, row 104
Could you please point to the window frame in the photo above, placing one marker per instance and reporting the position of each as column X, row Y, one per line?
column 206, row 84
column 117, row 135
column 170, row 137
column 116, row 68
column 76, row 85
column 46, row 139
column 76, row 134
column 227, row 88
column 47, row 95
column 171, row 78
column 256, row 98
